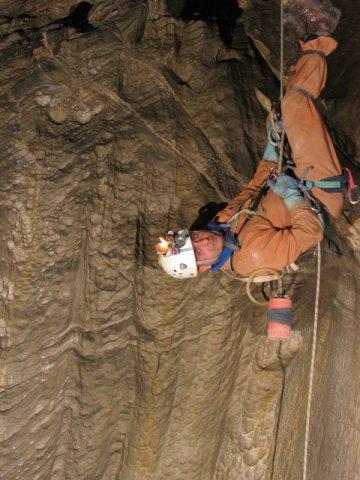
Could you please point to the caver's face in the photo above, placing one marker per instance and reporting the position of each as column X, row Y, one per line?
column 207, row 248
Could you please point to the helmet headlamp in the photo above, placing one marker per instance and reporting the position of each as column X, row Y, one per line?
column 176, row 254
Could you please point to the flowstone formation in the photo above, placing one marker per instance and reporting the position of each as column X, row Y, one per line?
column 120, row 119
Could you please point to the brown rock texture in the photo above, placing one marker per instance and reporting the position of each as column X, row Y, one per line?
column 119, row 119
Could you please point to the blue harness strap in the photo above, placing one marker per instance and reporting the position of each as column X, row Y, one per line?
column 335, row 184
column 218, row 227
column 230, row 243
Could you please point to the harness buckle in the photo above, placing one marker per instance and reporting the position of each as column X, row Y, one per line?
column 314, row 206
column 250, row 213
column 274, row 125
column 273, row 175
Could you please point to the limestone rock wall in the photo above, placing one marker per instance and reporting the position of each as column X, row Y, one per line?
column 119, row 119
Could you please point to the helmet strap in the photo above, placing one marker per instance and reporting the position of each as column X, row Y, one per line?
column 208, row 261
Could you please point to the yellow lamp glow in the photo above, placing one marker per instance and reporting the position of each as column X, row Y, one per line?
column 163, row 246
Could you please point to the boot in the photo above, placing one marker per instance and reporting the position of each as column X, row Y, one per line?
column 312, row 17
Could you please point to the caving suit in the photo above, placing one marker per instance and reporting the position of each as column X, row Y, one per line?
column 275, row 237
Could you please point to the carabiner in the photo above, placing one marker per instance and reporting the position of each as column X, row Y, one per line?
column 353, row 190
column 314, row 207
column 273, row 175
column 354, row 195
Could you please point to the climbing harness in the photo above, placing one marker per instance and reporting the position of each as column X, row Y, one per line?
column 315, row 205
column 335, row 184
column 278, row 139
column 230, row 243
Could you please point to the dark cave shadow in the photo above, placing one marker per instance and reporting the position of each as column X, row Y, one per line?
column 224, row 13
column 205, row 214
column 79, row 18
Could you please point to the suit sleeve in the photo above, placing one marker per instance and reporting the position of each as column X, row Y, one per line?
column 250, row 190
column 266, row 246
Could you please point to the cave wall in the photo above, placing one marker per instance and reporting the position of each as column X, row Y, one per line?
column 118, row 120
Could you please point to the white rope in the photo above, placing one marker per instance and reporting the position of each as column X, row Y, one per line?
column 312, row 363
column 318, row 277
column 317, row 295
column 281, row 48
column 282, row 140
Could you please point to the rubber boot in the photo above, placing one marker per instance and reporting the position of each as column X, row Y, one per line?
column 312, row 16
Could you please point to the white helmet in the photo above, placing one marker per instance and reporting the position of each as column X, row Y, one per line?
column 177, row 258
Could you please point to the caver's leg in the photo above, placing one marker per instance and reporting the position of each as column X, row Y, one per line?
column 308, row 137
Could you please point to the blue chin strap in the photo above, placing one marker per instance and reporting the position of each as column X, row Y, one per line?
column 230, row 243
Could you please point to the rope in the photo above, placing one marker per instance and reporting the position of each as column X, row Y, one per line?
column 274, row 275
column 252, row 280
column 248, row 211
column 318, row 275
column 282, row 140
column 312, row 363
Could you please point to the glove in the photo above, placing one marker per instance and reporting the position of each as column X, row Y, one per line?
column 274, row 131
column 270, row 153
column 286, row 187
column 222, row 217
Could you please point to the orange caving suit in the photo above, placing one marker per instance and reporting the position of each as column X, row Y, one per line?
column 277, row 237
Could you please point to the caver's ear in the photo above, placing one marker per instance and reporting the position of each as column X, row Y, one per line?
column 203, row 268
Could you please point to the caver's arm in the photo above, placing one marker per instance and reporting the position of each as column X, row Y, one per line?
column 250, row 190
column 263, row 245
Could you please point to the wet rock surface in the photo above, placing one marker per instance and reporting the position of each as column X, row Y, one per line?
column 118, row 120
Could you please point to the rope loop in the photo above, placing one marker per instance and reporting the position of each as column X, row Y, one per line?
column 252, row 279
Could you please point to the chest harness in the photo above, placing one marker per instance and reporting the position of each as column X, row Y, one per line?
column 231, row 243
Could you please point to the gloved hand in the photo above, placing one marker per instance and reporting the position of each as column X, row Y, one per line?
column 270, row 153
column 222, row 217
column 274, row 131
column 286, row 187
